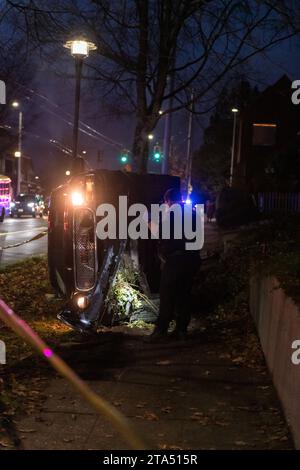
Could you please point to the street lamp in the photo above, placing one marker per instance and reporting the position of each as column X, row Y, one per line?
column 150, row 136
column 80, row 49
column 18, row 154
column 234, row 111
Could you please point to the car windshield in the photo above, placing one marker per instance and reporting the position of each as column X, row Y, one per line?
column 25, row 199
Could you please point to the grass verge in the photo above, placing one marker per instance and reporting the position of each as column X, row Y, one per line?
column 25, row 288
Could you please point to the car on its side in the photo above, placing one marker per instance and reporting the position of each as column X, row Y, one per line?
column 26, row 204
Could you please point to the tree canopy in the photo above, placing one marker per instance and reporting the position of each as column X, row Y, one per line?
column 141, row 43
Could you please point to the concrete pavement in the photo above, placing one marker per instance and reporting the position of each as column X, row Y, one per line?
column 13, row 231
column 179, row 395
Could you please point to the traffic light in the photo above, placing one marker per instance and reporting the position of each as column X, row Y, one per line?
column 157, row 153
column 124, row 157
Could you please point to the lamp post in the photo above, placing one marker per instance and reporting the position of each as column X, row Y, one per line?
column 234, row 111
column 18, row 153
column 80, row 49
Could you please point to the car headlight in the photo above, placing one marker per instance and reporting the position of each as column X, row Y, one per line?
column 77, row 198
column 30, row 204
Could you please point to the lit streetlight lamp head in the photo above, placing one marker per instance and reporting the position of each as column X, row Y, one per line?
column 150, row 136
column 37, row 177
column 80, row 48
column 160, row 112
column 18, row 154
column 234, row 110
column 68, row 173
column 15, row 104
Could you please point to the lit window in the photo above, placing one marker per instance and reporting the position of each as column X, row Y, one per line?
column 264, row 134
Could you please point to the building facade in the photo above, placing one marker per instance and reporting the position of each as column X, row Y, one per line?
column 29, row 183
column 267, row 142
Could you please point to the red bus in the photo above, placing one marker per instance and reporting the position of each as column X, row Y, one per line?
column 5, row 196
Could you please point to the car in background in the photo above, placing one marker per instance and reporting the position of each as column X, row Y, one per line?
column 27, row 204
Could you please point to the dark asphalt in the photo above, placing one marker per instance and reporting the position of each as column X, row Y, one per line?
column 13, row 231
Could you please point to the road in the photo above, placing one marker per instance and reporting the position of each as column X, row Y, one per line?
column 13, row 231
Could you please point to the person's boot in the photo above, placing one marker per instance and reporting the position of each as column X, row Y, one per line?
column 178, row 335
column 157, row 336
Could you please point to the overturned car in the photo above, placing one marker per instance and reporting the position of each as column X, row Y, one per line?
column 82, row 266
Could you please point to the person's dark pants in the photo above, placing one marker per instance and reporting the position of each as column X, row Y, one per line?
column 175, row 290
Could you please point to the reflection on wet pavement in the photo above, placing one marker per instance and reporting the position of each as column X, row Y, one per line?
column 13, row 231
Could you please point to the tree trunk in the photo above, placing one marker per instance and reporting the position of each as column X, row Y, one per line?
column 140, row 148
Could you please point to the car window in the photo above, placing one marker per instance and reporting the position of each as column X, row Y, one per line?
column 25, row 199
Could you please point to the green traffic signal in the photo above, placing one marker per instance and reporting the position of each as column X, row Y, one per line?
column 157, row 153
column 124, row 157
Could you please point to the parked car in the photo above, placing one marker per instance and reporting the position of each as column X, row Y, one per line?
column 27, row 204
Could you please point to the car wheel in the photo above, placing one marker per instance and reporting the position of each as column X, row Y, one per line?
column 33, row 216
column 19, row 216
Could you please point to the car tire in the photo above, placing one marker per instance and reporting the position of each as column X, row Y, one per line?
column 19, row 216
column 33, row 216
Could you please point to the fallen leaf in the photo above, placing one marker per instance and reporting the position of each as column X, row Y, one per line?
column 27, row 430
column 5, row 444
column 238, row 360
column 166, row 409
column 151, row 416
column 117, row 403
column 240, row 443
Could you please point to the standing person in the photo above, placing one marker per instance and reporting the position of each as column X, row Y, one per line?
column 210, row 210
column 179, row 267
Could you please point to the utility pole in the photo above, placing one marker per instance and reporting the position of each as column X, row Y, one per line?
column 168, row 126
column 189, row 145
column 99, row 158
column 19, row 177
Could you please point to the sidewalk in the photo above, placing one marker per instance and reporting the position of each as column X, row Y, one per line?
column 210, row 392
column 198, row 394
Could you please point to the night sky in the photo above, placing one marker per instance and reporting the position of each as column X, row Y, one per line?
column 49, row 119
